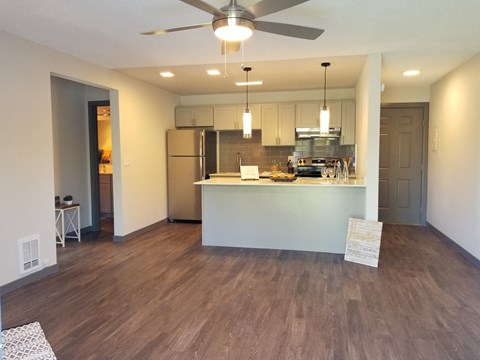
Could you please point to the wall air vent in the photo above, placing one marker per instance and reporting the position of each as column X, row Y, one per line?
column 29, row 253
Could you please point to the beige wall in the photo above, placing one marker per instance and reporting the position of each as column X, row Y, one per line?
column 140, row 115
column 368, row 131
column 406, row 94
column 453, row 204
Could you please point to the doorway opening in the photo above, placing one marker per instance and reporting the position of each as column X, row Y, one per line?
column 101, row 164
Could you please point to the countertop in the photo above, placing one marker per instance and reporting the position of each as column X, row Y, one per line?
column 236, row 181
column 264, row 174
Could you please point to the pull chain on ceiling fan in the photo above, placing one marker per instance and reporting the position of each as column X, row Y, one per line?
column 234, row 23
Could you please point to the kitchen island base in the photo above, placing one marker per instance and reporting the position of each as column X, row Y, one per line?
column 280, row 216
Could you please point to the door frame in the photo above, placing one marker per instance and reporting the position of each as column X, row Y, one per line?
column 424, row 180
column 94, row 175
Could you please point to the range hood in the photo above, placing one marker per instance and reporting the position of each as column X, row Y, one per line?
column 308, row 133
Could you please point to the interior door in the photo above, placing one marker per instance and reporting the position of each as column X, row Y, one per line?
column 401, row 165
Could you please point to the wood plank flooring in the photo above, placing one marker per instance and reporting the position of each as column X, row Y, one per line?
column 164, row 296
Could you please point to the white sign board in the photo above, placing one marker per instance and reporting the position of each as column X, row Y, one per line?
column 249, row 172
column 363, row 241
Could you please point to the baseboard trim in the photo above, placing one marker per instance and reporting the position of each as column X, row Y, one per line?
column 472, row 259
column 16, row 284
column 123, row 238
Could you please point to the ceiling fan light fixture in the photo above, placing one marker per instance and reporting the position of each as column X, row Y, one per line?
column 233, row 28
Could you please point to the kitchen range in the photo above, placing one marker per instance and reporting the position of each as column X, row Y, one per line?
column 332, row 167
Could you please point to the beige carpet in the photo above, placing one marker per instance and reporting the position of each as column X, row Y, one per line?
column 26, row 342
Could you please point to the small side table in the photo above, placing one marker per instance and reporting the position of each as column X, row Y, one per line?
column 72, row 213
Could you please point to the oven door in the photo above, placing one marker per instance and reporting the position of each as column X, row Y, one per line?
column 309, row 171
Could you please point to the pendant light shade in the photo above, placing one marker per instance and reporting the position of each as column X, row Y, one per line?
column 325, row 112
column 247, row 115
column 324, row 121
column 247, row 124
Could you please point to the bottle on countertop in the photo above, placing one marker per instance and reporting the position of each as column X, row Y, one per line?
column 345, row 173
column 290, row 168
column 275, row 166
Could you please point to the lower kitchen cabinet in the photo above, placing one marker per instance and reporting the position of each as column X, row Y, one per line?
column 278, row 124
column 106, row 195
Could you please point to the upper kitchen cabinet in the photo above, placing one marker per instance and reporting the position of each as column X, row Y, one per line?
column 342, row 114
column 230, row 117
column 348, row 123
column 194, row 116
column 308, row 114
column 278, row 124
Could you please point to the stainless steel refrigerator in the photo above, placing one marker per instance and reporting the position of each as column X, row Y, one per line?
column 192, row 155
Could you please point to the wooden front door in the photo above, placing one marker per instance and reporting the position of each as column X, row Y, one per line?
column 401, row 178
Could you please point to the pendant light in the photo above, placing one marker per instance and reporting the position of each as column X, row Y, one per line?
column 247, row 115
column 325, row 112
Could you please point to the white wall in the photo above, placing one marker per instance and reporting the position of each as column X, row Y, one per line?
column 453, row 204
column 266, row 97
column 140, row 115
column 408, row 94
column 368, row 131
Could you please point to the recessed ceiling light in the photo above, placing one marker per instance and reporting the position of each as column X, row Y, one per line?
column 166, row 74
column 411, row 72
column 244, row 83
column 213, row 72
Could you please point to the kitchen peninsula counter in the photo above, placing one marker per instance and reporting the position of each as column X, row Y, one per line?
column 308, row 214
column 302, row 181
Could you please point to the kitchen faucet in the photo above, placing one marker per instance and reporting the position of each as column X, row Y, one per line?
column 239, row 160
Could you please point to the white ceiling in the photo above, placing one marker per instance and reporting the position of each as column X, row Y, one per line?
column 433, row 36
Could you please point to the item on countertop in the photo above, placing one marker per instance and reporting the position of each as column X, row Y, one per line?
column 290, row 168
column 280, row 176
column 275, row 166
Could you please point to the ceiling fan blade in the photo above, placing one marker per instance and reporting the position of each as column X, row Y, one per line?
column 266, row 7
column 199, row 4
column 296, row 31
column 164, row 31
column 230, row 47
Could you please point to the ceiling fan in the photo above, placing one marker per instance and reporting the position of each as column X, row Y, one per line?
column 234, row 23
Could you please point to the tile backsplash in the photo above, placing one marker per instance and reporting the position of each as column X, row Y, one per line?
column 251, row 151
column 232, row 145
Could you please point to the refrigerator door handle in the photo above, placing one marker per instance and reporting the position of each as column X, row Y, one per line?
column 202, row 155
column 202, row 140
column 202, row 168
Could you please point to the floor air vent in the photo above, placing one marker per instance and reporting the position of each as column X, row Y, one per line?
column 29, row 250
